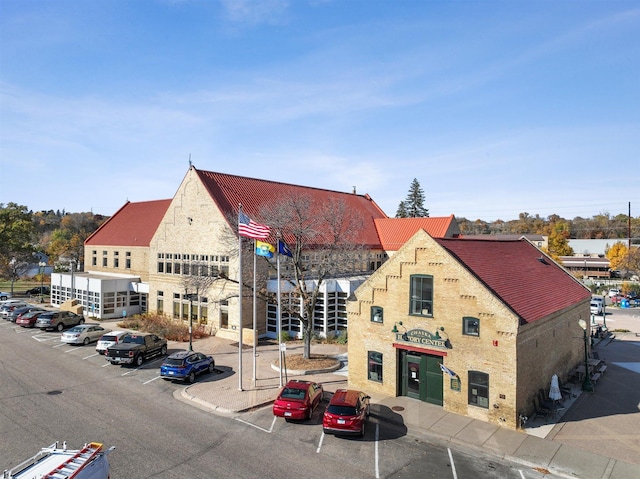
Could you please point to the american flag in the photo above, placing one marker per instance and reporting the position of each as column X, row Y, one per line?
column 250, row 229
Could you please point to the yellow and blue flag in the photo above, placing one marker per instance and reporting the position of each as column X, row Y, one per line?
column 265, row 249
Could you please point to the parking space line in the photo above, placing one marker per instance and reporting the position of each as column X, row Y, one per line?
column 60, row 345
column 376, row 451
column 150, row 380
column 268, row 431
column 106, row 364
column 69, row 350
column 521, row 474
column 453, row 466
column 41, row 339
column 320, row 443
column 90, row 356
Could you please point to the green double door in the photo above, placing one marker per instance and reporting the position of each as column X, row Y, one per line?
column 421, row 377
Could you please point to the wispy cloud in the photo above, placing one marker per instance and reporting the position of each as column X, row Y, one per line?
column 254, row 12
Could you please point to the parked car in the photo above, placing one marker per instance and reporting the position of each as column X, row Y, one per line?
column 4, row 296
column 614, row 292
column 38, row 291
column 633, row 295
column 28, row 320
column 186, row 365
column 6, row 309
column 346, row 413
column 108, row 340
column 17, row 312
column 596, row 308
column 83, row 334
column 298, row 399
column 135, row 348
column 58, row 320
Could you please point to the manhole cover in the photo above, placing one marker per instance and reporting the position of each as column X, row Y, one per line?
column 397, row 408
column 54, row 393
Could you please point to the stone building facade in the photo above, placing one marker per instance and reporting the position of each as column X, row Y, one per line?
column 475, row 326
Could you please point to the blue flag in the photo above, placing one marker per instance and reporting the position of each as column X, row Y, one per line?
column 284, row 249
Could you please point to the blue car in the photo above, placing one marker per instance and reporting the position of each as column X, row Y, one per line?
column 186, row 365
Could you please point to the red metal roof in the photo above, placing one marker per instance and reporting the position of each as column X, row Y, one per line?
column 394, row 232
column 132, row 225
column 529, row 282
column 254, row 194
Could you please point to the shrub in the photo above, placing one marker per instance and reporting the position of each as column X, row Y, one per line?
column 164, row 326
column 284, row 336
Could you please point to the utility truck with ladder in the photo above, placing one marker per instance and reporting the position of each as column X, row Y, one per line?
column 55, row 462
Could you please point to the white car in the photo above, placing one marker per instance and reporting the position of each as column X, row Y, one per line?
column 109, row 339
column 614, row 292
column 596, row 308
column 83, row 334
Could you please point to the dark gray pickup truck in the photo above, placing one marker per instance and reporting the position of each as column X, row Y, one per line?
column 136, row 348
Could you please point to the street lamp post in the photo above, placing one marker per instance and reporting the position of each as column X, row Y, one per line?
column 42, row 265
column 586, row 384
column 190, row 296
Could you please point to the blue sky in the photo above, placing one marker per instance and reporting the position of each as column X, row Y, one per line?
column 496, row 107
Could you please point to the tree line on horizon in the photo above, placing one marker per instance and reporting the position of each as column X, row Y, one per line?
column 61, row 234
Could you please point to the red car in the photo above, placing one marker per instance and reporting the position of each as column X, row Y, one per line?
column 298, row 399
column 28, row 320
column 346, row 413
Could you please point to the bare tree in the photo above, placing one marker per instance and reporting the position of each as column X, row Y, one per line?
column 196, row 281
column 322, row 239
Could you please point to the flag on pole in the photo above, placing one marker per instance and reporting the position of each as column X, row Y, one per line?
column 447, row 370
column 284, row 249
column 265, row 249
column 250, row 229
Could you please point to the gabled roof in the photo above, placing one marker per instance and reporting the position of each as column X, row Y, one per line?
column 502, row 237
column 394, row 232
column 530, row 283
column 254, row 194
column 132, row 225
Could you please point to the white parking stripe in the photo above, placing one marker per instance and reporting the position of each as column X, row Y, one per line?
column 59, row 345
column 69, row 350
column 521, row 474
column 376, row 451
column 258, row 427
column 453, row 466
column 92, row 355
column 320, row 443
column 147, row 382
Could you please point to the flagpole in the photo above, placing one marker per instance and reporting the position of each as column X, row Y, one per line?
column 240, row 307
column 255, row 328
column 278, row 317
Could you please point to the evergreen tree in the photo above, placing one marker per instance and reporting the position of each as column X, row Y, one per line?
column 413, row 205
column 402, row 211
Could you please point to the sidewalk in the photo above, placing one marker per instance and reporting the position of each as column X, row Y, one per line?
column 596, row 436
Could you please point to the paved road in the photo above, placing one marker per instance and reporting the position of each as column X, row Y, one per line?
column 52, row 391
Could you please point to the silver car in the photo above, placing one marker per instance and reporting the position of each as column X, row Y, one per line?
column 83, row 334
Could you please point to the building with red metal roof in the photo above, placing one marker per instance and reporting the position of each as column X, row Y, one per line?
column 154, row 244
column 477, row 326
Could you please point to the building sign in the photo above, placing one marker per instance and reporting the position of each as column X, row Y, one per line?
column 421, row 337
column 455, row 384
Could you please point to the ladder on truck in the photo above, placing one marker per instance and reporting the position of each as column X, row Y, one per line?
column 72, row 466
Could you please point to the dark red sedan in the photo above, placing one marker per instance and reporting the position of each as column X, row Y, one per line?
column 298, row 399
column 28, row 320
